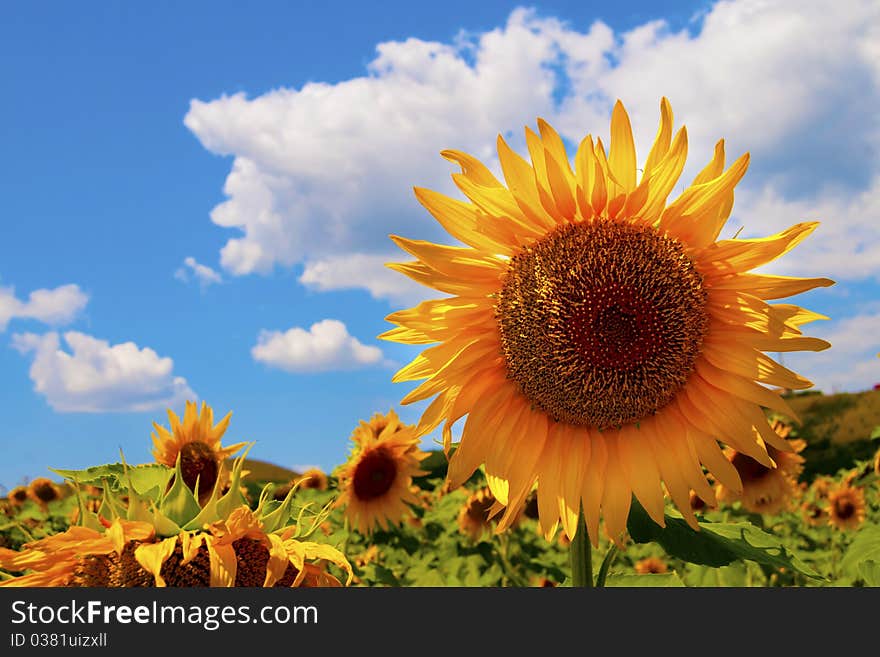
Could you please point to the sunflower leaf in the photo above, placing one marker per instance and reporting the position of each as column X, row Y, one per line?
column 143, row 477
column 864, row 548
column 870, row 572
column 179, row 504
column 651, row 579
column 716, row 544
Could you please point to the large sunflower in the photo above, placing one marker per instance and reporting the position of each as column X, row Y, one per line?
column 598, row 339
column 376, row 482
column 196, row 441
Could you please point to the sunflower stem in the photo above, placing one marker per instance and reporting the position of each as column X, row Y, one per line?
column 580, row 552
column 606, row 565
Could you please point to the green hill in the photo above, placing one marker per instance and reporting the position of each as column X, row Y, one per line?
column 837, row 428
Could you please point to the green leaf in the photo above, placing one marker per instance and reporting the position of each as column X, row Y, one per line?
column 651, row 579
column 179, row 504
column 143, row 478
column 716, row 544
column 875, row 434
column 864, row 547
column 870, row 572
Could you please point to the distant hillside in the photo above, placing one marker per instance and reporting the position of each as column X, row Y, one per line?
column 265, row 471
column 837, row 428
column 840, row 418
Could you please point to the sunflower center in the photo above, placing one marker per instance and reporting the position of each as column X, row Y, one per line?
column 45, row 492
column 601, row 322
column 844, row 509
column 374, row 474
column 198, row 461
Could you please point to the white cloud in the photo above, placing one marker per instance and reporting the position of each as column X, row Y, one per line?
column 57, row 306
column 326, row 170
column 362, row 270
column 202, row 273
column 851, row 363
column 327, row 345
column 96, row 377
column 846, row 245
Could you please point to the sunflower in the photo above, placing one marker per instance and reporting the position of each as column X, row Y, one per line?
column 475, row 515
column 764, row 489
column 877, row 463
column 18, row 496
column 42, row 491
column 196, row 442
column 846, row 507
column 651, row 565
column 376, row 482
column 233, row 552
column 313, row 478
column 698, row 505
column 598, row 339
column 814, row 514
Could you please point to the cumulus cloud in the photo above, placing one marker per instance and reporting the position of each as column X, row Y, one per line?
column 94, row 376
column 326, row 170
column 362, row 270
column 327, row 345
column 57, row 306
column 851, row 364
column 194, row 269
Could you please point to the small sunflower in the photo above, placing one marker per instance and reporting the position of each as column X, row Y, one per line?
column 697, row 503
column 765, row 489
column 651, row 565
column 18, row 496
column 43, row 490
column 475, row 516
column 846, row 507
column 376, row 482
column 196, row 442
column 599, row 340
column 821, row 486
column 313, row 478
column 814, row 514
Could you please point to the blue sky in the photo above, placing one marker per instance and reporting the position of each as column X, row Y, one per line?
column 196, row 198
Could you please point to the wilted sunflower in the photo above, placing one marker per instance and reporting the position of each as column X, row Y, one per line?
column 376, row 481
column 598, row 339
column 846, row 507
column 43, row 490
column 196, row 441
column 165, row 537
column 766, row 490
column 234, row 552
column 651, row 565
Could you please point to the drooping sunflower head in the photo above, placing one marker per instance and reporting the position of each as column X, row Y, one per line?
column 43, row 490
column 651, row 565
column 846, row 507
column 196, row 442
column 600, row 340
column 767, row 490
column 376, row 482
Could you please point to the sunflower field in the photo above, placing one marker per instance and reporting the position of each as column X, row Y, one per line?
column 623, row 423
column 780, row 531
